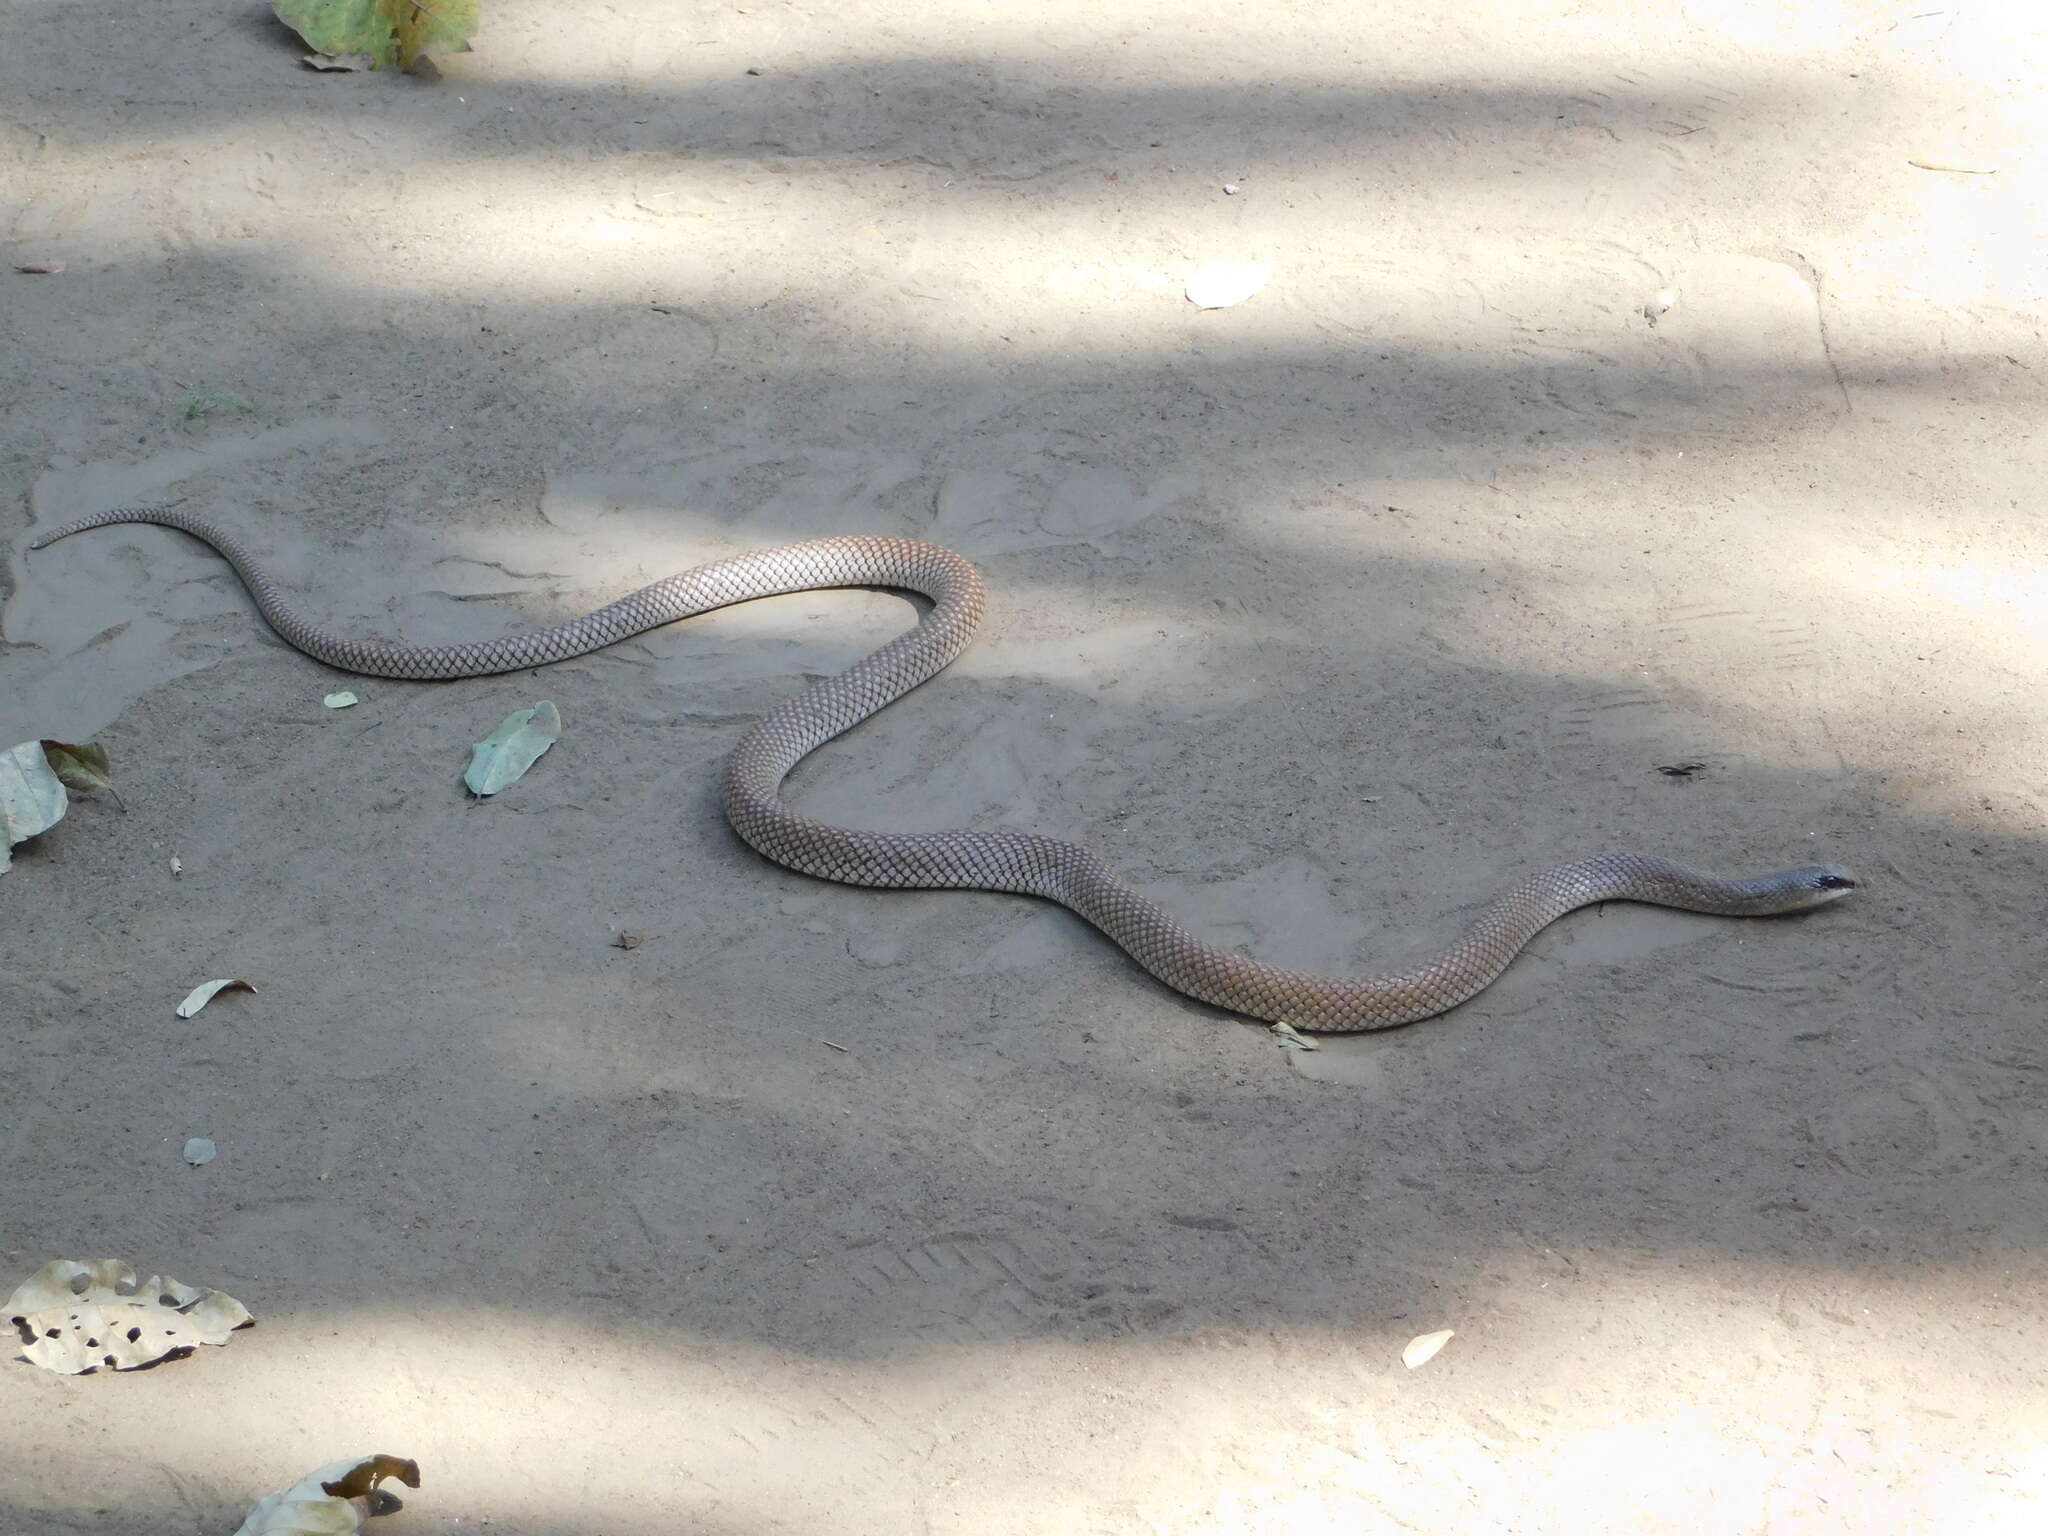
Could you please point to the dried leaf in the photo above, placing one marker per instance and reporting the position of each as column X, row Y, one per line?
column 371, row 1471
column 341, row 700
column 40, row 268
column 515, row 746
column 392, row 32
column 206, row 992
column 1958, row 170
column 628, row 941
column 32, row 797
column 200, row 1151
column 1293, row 1038
column 1423, row 1347
column 110, row 1320
column 332, row 1500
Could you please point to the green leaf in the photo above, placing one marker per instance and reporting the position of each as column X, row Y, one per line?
column 32, row 798
column 342, row 700
column 515, row 746
column 394, row 33
column 84, row 768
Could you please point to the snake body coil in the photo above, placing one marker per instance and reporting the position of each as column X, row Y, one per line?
column 995, row 861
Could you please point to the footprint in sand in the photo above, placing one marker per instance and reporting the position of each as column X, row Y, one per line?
column 960, row 1286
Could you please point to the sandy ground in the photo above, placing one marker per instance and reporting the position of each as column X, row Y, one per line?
column 1320, row 617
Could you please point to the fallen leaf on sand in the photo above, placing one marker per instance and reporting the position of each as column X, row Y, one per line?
column 392, row 32
column 32, row 798
column 515, row 746
column 342, row 700
column 332, row 1501
column 200, row 1151
column 206, row 992
column 83, row 767
column 1958, row 170
column 1293, row 1038
column 1221, row 284
column 1423, row 1347
column 110, row 1321
column 628, row 941
column 40, row 268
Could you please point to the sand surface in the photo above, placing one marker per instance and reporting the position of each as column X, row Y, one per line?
column 1320, row 617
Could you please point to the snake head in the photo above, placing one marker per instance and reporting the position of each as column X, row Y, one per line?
column 1815, row 885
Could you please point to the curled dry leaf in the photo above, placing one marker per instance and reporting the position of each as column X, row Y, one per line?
column 332, row 1500
column 515, row 746
column 40, row 268
column 32, row 798
column 73, row 1317
column 1293, row 1038
column 1423, row 1347
column 206, row 992
column 628, row 941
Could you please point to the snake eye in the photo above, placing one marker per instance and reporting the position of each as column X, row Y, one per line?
column 1834, row 882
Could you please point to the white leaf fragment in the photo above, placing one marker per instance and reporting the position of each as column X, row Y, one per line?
column 1292, row 1038
column 1423, row 1347
column 199, row 1151
column 515, row 746
column 111, row 1321
column 333, row 1500
column 1220, row 284
column 205, row 993
column 341, row 700
column 32, row 799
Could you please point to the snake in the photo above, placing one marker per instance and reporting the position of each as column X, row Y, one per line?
column 1017, row 862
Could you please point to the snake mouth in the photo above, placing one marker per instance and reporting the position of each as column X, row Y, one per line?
column 1828, row 884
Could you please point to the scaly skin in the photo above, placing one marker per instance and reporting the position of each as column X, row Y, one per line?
column 996, row 861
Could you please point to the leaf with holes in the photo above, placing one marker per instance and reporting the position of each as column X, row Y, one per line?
column 391, row 32
column 332, row 1501
column 74, row 1317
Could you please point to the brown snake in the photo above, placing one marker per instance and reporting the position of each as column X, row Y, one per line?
column 997, row 861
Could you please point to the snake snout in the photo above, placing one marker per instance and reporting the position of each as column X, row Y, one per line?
column 1815, row 885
